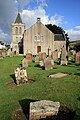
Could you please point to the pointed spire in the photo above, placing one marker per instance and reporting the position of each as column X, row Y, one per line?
column 18, row 19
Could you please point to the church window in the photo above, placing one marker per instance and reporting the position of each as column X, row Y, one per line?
column 20, row 30
column 42, row 38
column 16, row 30
column 35, row 38
column 39, row 38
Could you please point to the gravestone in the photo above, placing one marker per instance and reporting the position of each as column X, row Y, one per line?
column 63, row 56
column 25, row 63
column 37, row 59
column 4, row 53
column 29, row 57
column 21, row 75
column 41, row 63
column 49, row 52
column 78, row 57
column 48, row 64
column 43, row 55
column 43, row 109
column 9, row 53
column 55, row 55
column 1, row 57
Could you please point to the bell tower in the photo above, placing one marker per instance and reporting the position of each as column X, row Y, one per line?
column 17, row 35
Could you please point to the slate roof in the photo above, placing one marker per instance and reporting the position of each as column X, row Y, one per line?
column 59, row 37
column 18, row 19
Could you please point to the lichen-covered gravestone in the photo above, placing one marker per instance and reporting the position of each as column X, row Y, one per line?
column 48, row 64
column 43, row 55
column 29, row 57
column 63, row 56
column 43, row 109
column 37, row 59
column 25, row 63
column 78, row 57
column 21, row 75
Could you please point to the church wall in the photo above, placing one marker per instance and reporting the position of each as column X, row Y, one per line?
column 38, row 35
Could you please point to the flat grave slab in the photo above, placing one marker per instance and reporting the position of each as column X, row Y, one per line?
column 58, row 75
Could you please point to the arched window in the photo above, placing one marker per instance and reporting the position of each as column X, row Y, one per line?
column 16, row 30
column 20, row 30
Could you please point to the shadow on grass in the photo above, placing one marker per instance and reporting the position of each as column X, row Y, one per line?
column 25, row 104
column 78, row 74
column 13, row 77
column 63, row 114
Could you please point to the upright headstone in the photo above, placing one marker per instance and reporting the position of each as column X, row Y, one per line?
column 4, row 53
column 43, row 55
column 29, row 57
column 24, row 63
column 63, row 56
column 49, row 52
column 55, row 55
column 9, row 53
column 1, row 57
column 78, row 57
column 48, row 64
column 37, row 59
column 20, row 75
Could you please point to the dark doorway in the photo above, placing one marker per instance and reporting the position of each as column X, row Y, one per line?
column 38, row 49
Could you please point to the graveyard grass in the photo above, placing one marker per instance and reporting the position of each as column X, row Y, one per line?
column 65, row 90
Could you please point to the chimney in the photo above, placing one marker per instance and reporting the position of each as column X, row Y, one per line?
column 38, row 20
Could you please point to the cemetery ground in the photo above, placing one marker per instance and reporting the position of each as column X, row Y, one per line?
column 65, row 90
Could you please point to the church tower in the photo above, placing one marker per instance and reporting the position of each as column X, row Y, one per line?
column 17, row 35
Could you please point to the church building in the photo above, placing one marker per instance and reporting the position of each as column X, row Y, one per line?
column 38, row 38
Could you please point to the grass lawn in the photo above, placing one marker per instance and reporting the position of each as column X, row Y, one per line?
column 65, row 90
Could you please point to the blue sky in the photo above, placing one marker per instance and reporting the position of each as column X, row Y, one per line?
column 63, row 13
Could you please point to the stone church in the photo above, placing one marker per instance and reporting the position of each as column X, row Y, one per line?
column 38, row 38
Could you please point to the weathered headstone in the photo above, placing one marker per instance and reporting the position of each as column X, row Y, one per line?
column 1, row 57
column 49, row 52
column 9, row 53
column 29, row 57
column 25, row 63
column 78, row 57
column 63, row 56
column 4, row 53
column 21, row 75
column 55, row 55
column 43, row 55
column 37, row 59
column 43, row 109
column 41, row 63
column 48, row 64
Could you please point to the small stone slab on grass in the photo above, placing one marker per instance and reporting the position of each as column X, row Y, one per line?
column 58, row 75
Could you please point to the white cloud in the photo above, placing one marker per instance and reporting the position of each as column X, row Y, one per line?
column 74, row 34
column 6, row 38
column 29, row 17
column 77, row 27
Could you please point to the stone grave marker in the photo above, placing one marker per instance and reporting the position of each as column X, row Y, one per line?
column 55, row 55
column 43, row 109
column 37, row 59
column 78, row 57
column 43, row 55
column 49, row 52
column 63, row 56
column 48, row 64
column 24, row 63
column 41, row 63
column 29, row 57
column 1, row 57
column 21, row 75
